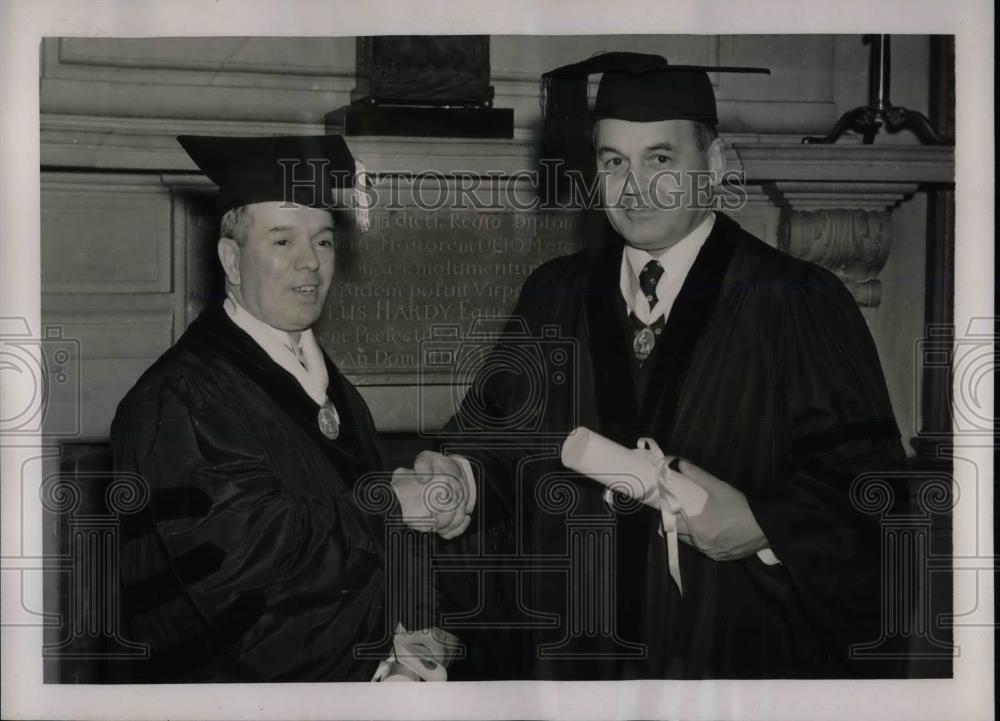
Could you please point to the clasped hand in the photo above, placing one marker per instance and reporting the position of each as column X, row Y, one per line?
column 726, row 529
column 433, row 495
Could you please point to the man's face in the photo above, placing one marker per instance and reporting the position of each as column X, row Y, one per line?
column 651, row 173
column 283, row 271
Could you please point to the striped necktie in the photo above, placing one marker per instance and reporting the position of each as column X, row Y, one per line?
column 296, row 348
column 644, row 336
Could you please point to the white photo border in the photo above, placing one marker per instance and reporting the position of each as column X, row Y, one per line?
column 969, row 695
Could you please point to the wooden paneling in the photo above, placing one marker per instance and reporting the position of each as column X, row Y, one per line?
column 105, row 235
column 112, row 339
column 108, row 282
column 298, row 80
column 315, row 57
column 253, row 79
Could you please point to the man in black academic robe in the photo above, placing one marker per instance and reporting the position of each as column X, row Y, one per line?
column 764, row 376
column 253, row 560
column 260, row 552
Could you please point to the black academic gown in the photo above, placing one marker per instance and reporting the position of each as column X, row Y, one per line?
column 253, row 559
column 765, row 376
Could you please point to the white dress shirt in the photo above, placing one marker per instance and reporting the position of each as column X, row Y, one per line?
column 304, row 360
column 676, row 261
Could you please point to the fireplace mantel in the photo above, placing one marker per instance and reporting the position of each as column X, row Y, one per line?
column 130, row 144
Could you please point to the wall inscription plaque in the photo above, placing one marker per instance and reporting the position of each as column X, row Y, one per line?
column 418, row 272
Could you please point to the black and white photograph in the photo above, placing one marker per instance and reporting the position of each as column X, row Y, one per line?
column 522, row 369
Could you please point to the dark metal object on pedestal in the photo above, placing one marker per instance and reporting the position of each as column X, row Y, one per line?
column 880, row 112
column 933, row 443
column 423, row 85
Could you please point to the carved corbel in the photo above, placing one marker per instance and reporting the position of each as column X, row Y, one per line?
column 845, row 227
column 854, row 244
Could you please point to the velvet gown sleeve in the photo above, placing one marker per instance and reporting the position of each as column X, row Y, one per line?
column 491, row 419
column 839, row 424
column 279, row 573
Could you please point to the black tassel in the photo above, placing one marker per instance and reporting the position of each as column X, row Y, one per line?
column 566, row 148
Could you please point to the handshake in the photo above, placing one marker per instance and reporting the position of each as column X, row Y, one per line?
column 437, row 494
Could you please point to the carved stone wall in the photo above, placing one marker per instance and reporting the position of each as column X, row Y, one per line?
column 852, row 243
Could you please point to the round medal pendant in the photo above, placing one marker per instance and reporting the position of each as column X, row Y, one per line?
column 643, row 343
column 329, row 426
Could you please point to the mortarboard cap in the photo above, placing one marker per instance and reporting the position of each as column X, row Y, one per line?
column 634, row 86
column 642, row 88
column 307, row 170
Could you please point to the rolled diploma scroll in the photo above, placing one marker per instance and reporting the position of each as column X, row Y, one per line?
column 637, row 472
column 632, row 471
column 641, row 473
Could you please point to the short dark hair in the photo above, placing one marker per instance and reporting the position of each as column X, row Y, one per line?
column 704, row 134
column 235, row 224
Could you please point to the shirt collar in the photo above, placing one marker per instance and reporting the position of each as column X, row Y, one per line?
column 280, row 347
column 264, row 334
column 676, row 261
column 678, row 258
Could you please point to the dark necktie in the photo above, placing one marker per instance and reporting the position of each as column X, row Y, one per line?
column 644, row 336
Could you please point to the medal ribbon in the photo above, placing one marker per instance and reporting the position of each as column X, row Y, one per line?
column 670, row 507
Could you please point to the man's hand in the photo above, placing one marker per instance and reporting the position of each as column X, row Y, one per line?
column 726, row 529
column 433, row 495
